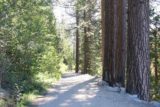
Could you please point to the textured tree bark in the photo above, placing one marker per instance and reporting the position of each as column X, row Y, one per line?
column 106, row 34
column 109, row 40
column 121, row 43
column 104, row 48
column 114, row 38
column 77, row 41
column 138, row 61
column 114, row 41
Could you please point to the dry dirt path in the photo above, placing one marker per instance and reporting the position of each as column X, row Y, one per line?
column 75, row 90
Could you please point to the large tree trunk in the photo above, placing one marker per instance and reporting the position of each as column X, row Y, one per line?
column 138, row 61
column 121, row 43
column 109, row 40
column 110, row 33
column 77, row 41
column 114, row 41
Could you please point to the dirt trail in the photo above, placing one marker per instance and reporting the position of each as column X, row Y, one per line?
column 75, row 90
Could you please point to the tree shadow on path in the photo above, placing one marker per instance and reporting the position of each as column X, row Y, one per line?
column 82, row 91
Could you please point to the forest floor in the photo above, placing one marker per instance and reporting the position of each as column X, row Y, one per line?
column 75, row 90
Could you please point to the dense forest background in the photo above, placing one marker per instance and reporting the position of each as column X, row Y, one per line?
column 36, row 48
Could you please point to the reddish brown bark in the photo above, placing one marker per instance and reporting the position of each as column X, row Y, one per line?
column 138, row 61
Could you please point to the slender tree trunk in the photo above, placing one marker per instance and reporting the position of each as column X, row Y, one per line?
column 156, row 57
column 85, row 47
column 138, row 61
column 77, row 41
column 87, row 38
column 104, row 55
